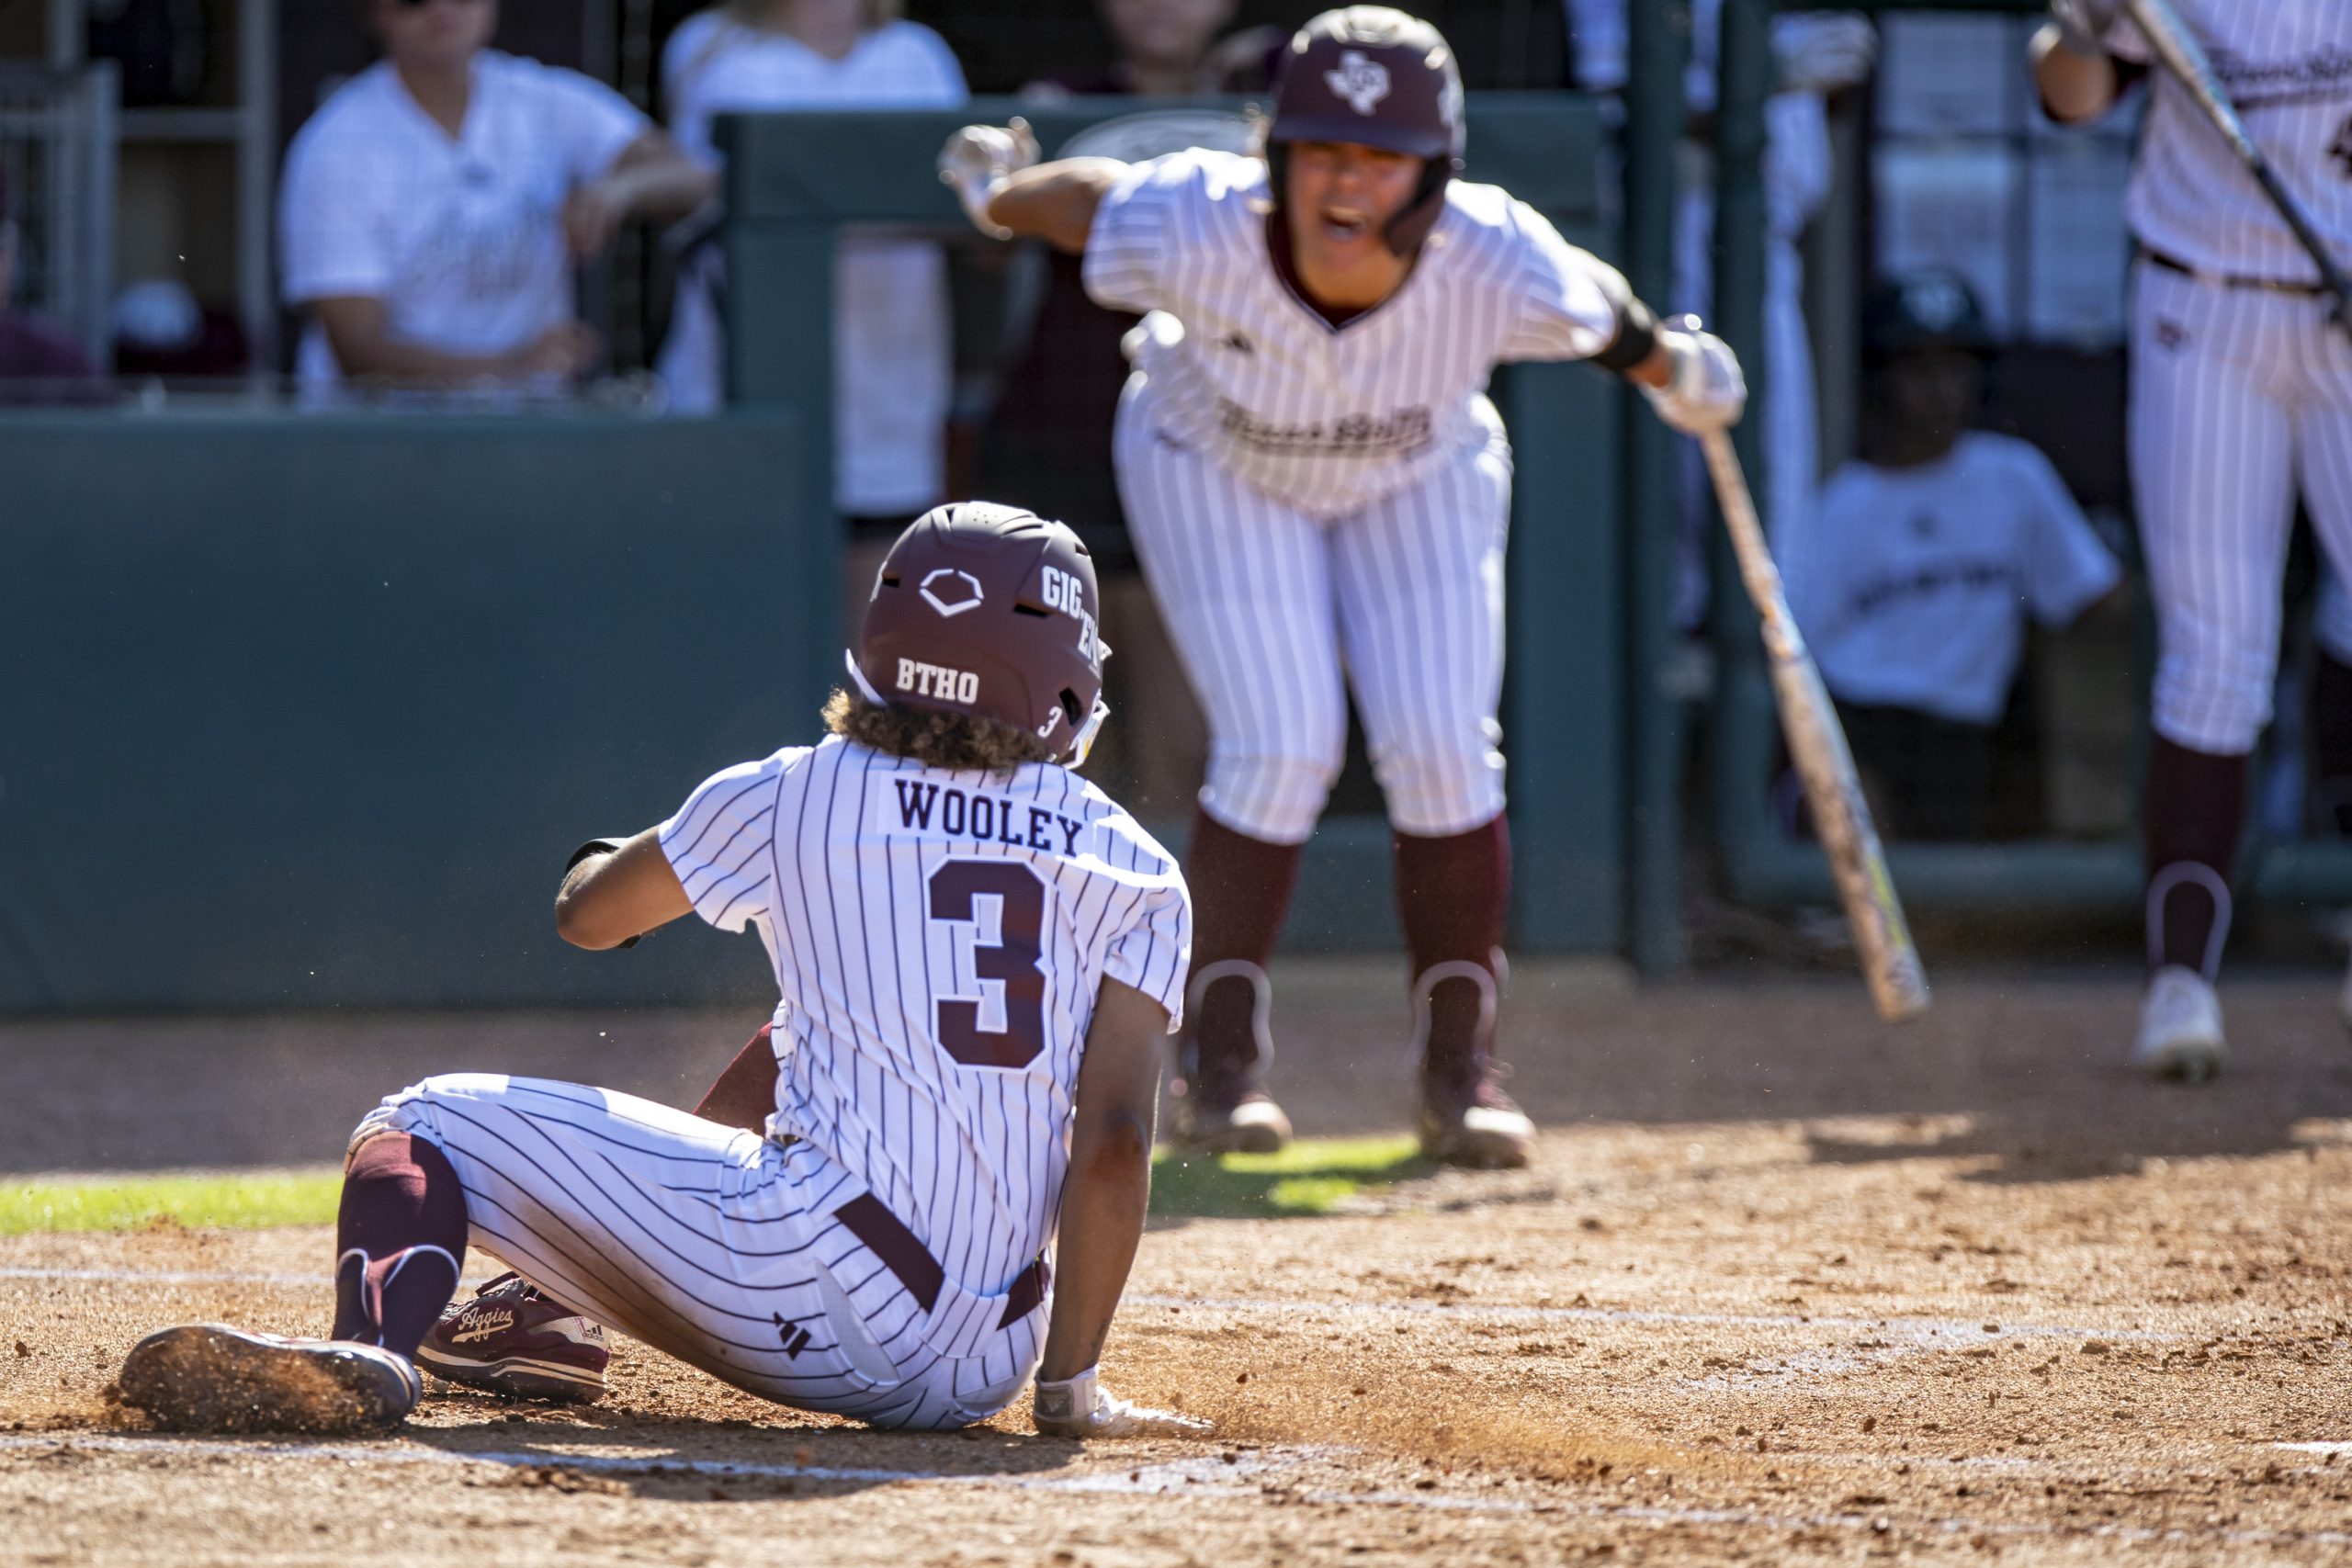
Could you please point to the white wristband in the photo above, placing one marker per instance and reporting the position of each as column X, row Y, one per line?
column 1071, row 1399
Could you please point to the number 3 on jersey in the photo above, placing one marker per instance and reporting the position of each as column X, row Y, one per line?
column 1011, row 961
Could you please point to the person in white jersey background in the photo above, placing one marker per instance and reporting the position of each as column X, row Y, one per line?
column 433, row 207
column 892, row 335
column 979, row 953
column 1318, row 489
column 1914, row 573
column 2240, row 399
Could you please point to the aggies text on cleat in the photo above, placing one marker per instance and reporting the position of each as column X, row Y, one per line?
column 513, row 1339
column 208, row 1377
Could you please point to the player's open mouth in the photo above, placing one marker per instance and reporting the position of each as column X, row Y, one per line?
column 1345, row 223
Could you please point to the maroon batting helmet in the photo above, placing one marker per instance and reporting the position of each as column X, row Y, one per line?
column 1378, row 77
column 988, row 610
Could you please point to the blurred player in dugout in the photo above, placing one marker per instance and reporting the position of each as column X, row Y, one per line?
column 893, row 340
column 1914, row 574
column 433, row 208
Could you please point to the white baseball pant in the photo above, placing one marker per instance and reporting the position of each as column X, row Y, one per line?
column 1273, row 612
column 712, row 1244
column 2239, row 396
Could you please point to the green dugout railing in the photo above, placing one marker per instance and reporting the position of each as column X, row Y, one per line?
column 1759, row 865
column 795, row 180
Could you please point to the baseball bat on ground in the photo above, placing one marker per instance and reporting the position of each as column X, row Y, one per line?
column 2180, row 53
column 1817, row 745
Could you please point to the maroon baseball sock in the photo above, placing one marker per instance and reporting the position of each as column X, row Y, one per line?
column 1451, row 893
column 2331, row 738
column 1241, row 889
column 2194, row 814
column 400, row 1242
column 746, row 1092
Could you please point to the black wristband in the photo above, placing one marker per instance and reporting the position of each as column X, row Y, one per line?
column 594, row 847
column 1636, row 338
column 589, row 850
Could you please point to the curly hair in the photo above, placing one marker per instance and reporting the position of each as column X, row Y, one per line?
column 934, row 739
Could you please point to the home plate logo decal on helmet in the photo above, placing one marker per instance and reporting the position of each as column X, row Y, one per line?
column 1364, row 83
column 952, row 591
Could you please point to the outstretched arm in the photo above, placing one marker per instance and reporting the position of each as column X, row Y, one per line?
column 1103, row 1200
column 1009, row 195
column 650, row 179
column 358, row 329
column 613, row 896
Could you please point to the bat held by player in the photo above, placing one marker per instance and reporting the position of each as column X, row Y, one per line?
column 1817, row 746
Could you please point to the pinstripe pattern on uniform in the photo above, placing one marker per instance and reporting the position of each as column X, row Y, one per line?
column 813, row 847
column 2287, row 64
column 1317, row 506
column 1272, row 610
column 706, row 1242
column 1329, row 420
column 2239, row 398
column 719, row 1246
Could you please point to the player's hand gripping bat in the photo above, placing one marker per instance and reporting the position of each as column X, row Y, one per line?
column 1817, row 745
column 2177, row 48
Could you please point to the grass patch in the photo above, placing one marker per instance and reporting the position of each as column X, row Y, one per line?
column 1311, row 1177
column 243, row 1202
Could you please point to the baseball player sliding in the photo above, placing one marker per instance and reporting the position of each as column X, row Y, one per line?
column 977, row 953
column 1318, row 489
column 2241, row 397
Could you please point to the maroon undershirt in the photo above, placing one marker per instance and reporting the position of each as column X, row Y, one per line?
column 1278, row 247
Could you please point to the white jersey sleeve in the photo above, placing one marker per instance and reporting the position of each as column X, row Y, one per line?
column 592, row 123
column 932, row 70
column 1153, row 950
column 1566, row 298
column 1143, row 224
column 332, row 223
column 721, row 843
column 2067, row 567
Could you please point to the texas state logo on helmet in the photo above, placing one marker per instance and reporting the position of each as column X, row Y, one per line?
column 1927, row 309
column 1375, row 76
column 988, row 610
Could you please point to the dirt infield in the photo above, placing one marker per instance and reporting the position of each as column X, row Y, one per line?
column 1779, row 1287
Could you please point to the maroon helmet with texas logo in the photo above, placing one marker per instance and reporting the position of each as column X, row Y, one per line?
column 1375, row 76
column 985, row 609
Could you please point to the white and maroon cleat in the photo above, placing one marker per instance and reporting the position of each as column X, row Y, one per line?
column 513, row 1339
column 208, row 1377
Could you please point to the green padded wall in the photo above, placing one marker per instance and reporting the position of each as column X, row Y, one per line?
column 303, row 712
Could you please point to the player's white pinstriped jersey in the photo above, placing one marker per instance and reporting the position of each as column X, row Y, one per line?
column 2287, row 64
column 939, row 939
column 1329, row 420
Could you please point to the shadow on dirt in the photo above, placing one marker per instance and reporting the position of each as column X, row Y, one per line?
column 2113, row 1122
column 680, row 1458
